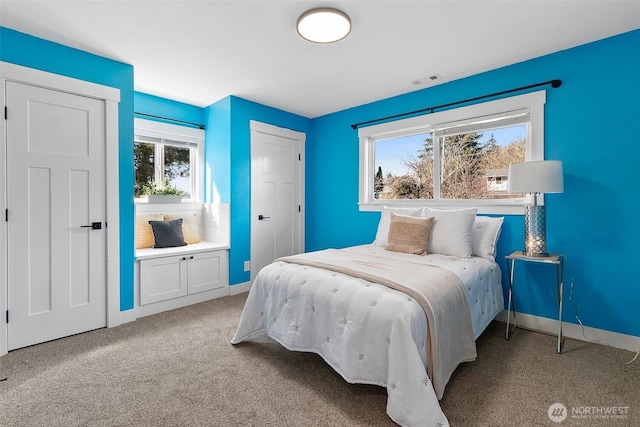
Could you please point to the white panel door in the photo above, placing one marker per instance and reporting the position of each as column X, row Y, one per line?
column 56, row 190
column 276, row 200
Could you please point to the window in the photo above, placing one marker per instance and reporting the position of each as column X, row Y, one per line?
column 455, row 158
column 166, row 155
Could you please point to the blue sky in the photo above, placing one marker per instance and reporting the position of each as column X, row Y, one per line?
column 391, row 153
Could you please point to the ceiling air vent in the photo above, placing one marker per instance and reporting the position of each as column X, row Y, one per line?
column 428, row 79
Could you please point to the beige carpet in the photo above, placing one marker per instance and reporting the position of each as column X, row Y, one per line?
column 179, row 369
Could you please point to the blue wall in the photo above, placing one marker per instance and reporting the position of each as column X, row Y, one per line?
column 218, row 152
column 162, row 107
column 22, row 49
column 233, row 134
column 590, row 125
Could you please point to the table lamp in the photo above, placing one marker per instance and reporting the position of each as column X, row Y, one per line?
column 535, row 177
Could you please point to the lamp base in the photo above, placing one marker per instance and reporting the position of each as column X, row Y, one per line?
column 535, row 234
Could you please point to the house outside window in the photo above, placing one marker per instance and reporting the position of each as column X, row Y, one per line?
column 168, row 155
column 457, row 157
column 497, row 180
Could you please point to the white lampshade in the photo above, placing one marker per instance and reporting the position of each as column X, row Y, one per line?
column 543, row 176
column 324, row 25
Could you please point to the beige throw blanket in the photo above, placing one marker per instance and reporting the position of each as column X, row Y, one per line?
column 439, row 291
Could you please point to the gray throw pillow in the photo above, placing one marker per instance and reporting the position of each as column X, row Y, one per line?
column 167, row 234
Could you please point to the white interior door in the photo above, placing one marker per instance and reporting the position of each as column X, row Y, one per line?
column 56, row 191
column 277, row 211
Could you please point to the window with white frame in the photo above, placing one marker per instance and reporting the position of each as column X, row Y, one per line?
column 167, row 155
column 456, row 157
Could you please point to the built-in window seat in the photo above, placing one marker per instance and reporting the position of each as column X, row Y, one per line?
column 149, row 253
column 173, row 277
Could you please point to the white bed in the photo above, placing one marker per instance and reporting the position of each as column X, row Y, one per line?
column 368, row 332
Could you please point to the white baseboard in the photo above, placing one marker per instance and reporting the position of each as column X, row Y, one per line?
column 128, row 316
column 158, row 307
column 239, row 288
column 572, row 330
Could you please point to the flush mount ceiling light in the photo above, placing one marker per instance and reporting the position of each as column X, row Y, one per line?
column 324, row 25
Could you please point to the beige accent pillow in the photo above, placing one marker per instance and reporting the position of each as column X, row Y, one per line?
column 385, row 220
column 190, row 229
column 409, row 234
column 144, row 233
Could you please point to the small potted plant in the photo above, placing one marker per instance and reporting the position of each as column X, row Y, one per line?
column 166, row 193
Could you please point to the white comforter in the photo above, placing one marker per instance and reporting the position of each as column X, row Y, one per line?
column 367, row 332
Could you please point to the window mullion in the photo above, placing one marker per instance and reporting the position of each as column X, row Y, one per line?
column 193, row 171
column 159, row 170
column 437, row 165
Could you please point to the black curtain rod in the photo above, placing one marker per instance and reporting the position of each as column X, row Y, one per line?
column 200, row 126
column 554, row 84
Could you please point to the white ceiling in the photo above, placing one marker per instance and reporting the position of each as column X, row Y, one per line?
column 198, row 52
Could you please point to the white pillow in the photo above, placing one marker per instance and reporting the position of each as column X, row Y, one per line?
column 484, row 236
column 451, row 231
column 385, row 222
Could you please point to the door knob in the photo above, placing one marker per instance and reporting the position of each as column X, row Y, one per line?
column 261, row 217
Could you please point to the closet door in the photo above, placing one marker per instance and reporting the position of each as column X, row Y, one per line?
column 56, row 200
column 277, row 185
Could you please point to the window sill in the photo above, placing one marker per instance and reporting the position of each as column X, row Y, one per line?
column 516, row 208
column 162, row 207
column 159, row 198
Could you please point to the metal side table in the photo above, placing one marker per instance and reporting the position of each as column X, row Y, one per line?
column 552, row 259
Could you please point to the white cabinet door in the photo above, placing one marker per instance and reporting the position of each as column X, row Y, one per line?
column 163, row 278
column 176, row 276
column 207, row 271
